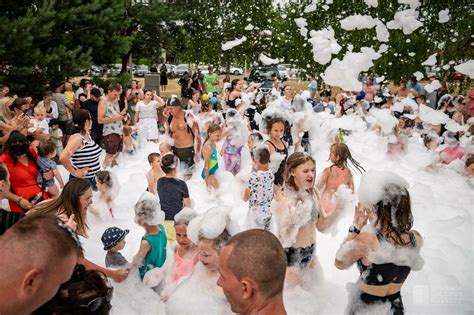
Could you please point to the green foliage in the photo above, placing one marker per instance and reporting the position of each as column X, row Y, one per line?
column 46, row 41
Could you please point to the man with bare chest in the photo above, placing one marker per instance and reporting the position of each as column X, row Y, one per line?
column 186, row 136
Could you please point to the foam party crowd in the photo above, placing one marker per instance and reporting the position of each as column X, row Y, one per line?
column 216, row 202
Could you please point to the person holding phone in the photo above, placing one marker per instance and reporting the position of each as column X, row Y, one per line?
column 111, row 117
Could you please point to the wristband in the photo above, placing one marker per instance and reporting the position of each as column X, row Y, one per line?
column 354, row 229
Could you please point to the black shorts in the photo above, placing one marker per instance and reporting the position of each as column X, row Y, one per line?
column 299, row 256
column 185, row 155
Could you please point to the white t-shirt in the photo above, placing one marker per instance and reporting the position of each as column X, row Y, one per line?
column 285, row 104
column 39, row 124
column 54, row 106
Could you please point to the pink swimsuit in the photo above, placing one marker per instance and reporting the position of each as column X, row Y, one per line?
column 451, row 154
column 182, row 266
column 336, row 178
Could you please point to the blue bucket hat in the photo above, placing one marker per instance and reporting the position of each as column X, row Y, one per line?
column 112, row 236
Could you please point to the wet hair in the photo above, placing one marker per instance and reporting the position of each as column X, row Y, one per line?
column 127, row 130
column 68, row 202
column 74, row 295
column 18, row 103
column 104, row 177
column 469, row 162
column 343, row 154
column 174, row 102
column 293, row 161
column 169, row 162
column 79, row 118
column 233, row 84
column 219, row 242
column 273, row 121
column 394, row 213
column 153, row 156
column 46, row 148
column 114, row 87
column 147, row 210
column 184, row 216
column 256, row 136
column 213, row 127
column 427, row 138
column 265, row 260
column 261, row 154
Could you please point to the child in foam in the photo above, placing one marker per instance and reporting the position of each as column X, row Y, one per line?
column 152, row 253
column 297, row 212
column 209, row 155
column 173, row 192
column 104, row 186
column 336, row 175
column 199, row 293
column 235, row 135
column 185, row 253
column 113, row 240
column 155, row 173
column 259, row 192
column 453, row 150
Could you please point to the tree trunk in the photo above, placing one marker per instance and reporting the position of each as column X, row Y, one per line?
column 125, row 59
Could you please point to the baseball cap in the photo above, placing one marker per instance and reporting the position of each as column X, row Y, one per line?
column 96, row 92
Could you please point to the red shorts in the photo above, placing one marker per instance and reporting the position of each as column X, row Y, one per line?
column 113, row 143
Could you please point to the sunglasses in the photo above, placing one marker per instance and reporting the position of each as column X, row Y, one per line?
column 98, row 302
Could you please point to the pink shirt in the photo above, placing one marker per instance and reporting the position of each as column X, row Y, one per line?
column 370, row 92
column 182, row 266
column 451, row 154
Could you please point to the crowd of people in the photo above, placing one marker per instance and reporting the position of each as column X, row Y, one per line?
column 240, row 268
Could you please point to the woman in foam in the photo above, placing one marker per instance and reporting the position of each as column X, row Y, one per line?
column 146, row 115
column 382, row 243
column 199, row 294
column 297, row 212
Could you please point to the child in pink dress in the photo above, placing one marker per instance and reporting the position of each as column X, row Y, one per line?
column 336, row 175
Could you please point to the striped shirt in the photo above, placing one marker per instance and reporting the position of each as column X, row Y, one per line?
column 87, row 156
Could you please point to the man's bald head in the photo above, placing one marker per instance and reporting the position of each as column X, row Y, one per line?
column 258, row 255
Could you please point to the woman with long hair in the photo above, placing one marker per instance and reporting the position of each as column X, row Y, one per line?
column 71, row 206
column 81, row 155
column 146, row 115
column 382, row 243
column 298, row 214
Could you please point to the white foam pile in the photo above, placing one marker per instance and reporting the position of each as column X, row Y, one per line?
column 233, row 43
column 466, row 68
column 324, row 45
column 431, row 61
column 268, row 60
column 351, row 66
column 443, row 16
column 371, row 3
column 406, row 21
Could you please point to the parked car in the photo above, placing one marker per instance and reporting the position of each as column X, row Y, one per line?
column 284, row 71
column 233, row 70
column 203, row 69
column 141, row 70
column 262, row 73
column 182, row 68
